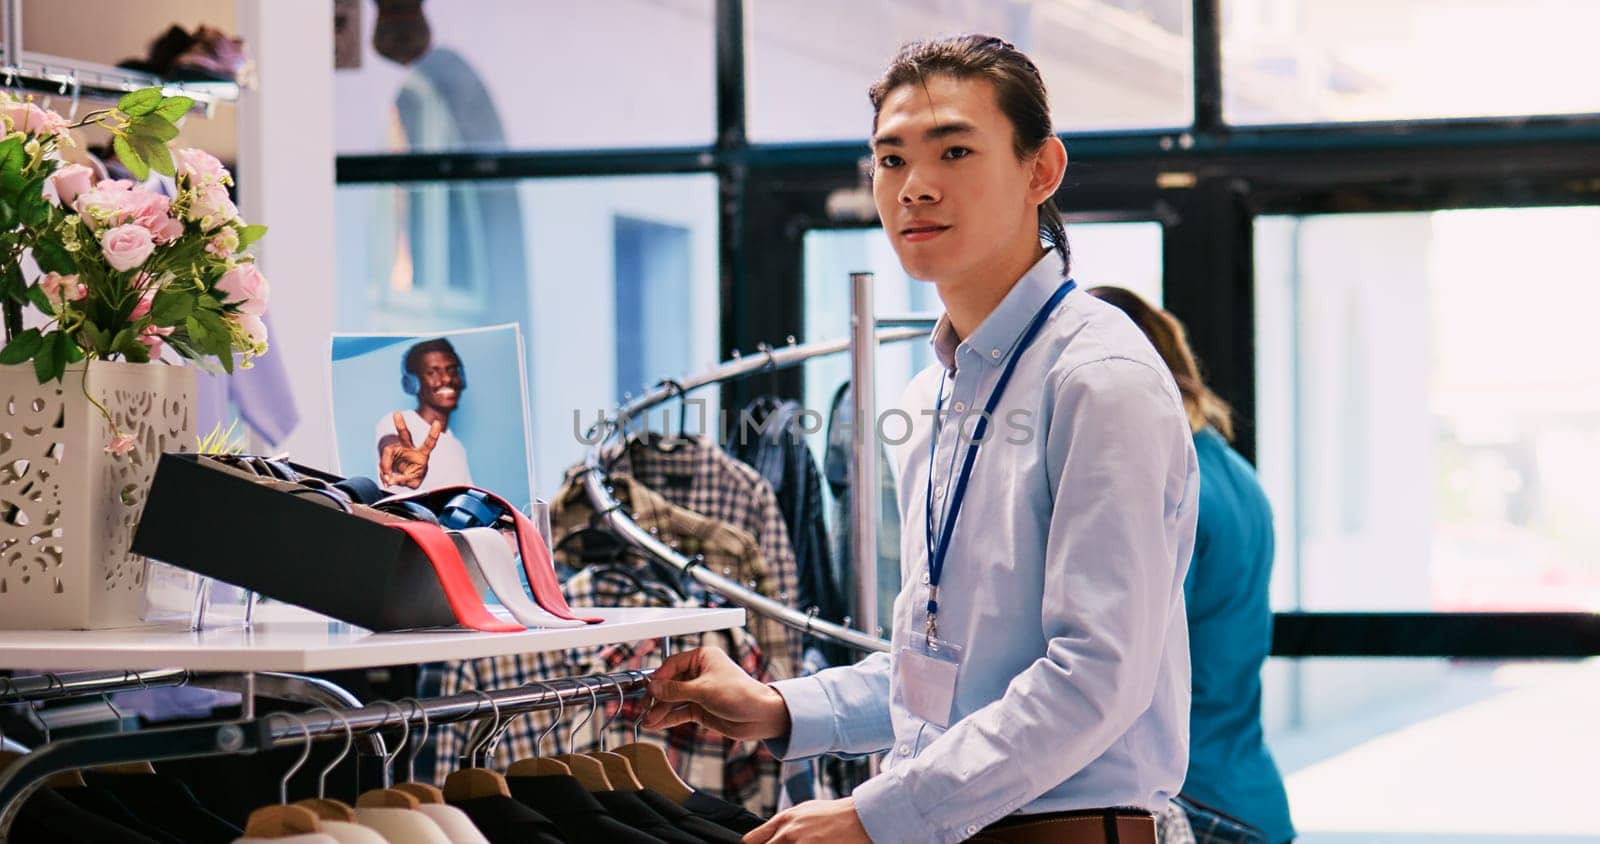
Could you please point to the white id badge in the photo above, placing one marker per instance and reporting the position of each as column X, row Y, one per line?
column 927, row 678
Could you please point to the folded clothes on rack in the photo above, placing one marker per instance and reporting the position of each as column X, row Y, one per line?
column 306, row 537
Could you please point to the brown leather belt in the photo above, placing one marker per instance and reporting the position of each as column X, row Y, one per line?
column 1095, row 826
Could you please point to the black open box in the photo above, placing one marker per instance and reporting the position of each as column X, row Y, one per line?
column 222, row 522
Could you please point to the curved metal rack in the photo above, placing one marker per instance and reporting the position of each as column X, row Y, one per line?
column 604, row 503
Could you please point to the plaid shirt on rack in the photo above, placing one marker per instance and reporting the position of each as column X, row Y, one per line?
column 725, row 549
column 696, row 474
column 742, row 772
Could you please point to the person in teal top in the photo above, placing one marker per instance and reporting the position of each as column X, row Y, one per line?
column 1225, row 591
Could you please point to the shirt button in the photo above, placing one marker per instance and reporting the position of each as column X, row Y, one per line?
column 994, row 353
column 905, row 750
column 959, row 407
column 925, row 579
column 972, row 830
column 938, row 492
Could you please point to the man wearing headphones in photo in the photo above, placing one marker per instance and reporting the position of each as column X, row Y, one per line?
column 416, row 450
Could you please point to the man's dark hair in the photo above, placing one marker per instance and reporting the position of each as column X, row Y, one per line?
column 415, row 353
column 1017, row 85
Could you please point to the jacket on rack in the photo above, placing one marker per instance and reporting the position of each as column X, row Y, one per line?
column 724, row 549
column 743, row 772
column 836, row 468
column 776, row 448
column 695, row 473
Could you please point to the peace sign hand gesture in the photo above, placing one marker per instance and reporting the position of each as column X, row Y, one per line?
column 402, row 463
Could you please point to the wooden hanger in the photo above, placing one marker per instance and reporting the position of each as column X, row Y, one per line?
column 472, row 783
column 424, row 792
column 538, row 765
column 284, row 820
column 326, row 809
column 651, row 766
column 589, row 770
column 619, row 770
column 389, row 797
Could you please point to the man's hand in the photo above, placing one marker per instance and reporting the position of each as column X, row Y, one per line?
column 401, row 463
column 704, row 686
column 831, row 821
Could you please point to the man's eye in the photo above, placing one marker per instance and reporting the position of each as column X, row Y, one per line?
column 957, row 152
column 890, row 161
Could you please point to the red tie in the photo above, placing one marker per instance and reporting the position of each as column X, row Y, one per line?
column 536, row 560
column 453, row 578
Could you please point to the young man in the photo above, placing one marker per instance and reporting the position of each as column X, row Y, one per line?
column 1040, row 661
column 431, row 371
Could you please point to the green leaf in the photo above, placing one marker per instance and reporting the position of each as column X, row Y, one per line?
column 22, row 347
column 52, row 257
column 48, row 361
column 96, row 337
column 12, row 159
column 173, row 108
column 140, row 102
column 74, row 352
column 136, row 353
column 123, row 340
column 8, row 214
column 154, row 153
column 130, row 159
column 196, row 332
column 40, row 301
column 227, row 361
column 33, row 208
column 12, row 285
column 250, row 234
column 153, row 126
column 171, row 307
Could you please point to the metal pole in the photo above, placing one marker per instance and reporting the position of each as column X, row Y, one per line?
column 864, row 453
column 12, row 10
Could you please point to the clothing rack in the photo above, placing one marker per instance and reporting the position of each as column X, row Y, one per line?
column 59, row 76
column 22, row 777
column 867, row 335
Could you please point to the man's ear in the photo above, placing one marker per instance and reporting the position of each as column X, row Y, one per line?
column 1049, row 167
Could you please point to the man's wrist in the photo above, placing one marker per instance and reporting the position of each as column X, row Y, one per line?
column 779, row 721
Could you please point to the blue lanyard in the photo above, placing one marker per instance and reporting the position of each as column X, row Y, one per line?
column 938, row 550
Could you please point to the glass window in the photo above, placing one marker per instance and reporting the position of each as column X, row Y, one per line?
column 1312, row 61
column 532, row 74
column 1108, row 64
column 613, row 280
column 1379, row 751
column 1429, row 427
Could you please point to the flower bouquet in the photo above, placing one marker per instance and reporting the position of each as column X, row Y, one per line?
column 124, row 277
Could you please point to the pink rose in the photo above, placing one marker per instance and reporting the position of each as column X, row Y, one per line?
column 70, row 181
column 109, row 203
column 30, row 119
column 127, row 246
column 254, row 327
column 166, row 230
column 225, row 243
column 121, row 444
column 199, row 167
column 142, row 307
column 245, row 286
column 211, row 207
column 63, row 288
column 151, row 337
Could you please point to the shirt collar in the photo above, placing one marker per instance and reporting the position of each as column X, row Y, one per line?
column 994, row 339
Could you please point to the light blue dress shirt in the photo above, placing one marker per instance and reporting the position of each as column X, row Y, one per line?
column 1064, row 584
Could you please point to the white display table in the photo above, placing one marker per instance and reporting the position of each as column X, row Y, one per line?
column 288, row 638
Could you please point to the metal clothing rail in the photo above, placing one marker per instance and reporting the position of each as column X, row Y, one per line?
column 27, row 773
column 768, row 359
column 59, row 76
column 68, row 684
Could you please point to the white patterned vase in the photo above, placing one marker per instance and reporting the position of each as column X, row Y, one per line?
column 68, row 509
